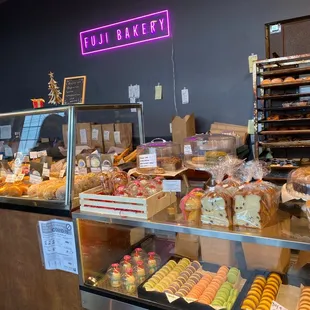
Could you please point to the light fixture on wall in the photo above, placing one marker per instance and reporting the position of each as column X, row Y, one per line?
column 133, row 31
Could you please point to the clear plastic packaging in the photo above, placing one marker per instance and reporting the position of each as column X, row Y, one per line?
column 119, row 178
column 153, row 262
column 140, row 271
column 298, row 183
column 114, row 274
column 205, row 150
column 138, row 254
column 129, row 281
column 159, row 156
column 126, row 263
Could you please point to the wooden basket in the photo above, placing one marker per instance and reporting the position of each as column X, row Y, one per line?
column 144, row 208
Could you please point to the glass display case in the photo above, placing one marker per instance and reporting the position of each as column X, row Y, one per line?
column 49, row 155
column 197, row 266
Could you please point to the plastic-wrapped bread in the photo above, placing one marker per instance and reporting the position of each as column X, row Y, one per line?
column 251, row 209
column 217, row 207
column 33, row 190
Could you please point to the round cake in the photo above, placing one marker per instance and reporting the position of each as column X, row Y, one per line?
column 298, row 183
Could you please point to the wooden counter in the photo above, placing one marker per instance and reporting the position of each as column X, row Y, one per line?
column 25, row 284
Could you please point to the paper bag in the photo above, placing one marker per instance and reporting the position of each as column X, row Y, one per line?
column 83, row 136
column 218, row 251
column 96, row 137
column 183, row 128
column 187, row 245
column 123, row 135
column 108, row 136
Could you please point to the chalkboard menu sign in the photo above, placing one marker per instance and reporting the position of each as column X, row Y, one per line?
column 74, row 90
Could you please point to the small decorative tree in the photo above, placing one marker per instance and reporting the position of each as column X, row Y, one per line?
column 54, row 94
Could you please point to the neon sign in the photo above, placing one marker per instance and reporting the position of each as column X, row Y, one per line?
column 133, row 31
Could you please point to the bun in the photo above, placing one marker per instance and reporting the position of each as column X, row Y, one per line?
column 289, row 79
column 266, row 82
column 14, row 191
column 276, row 81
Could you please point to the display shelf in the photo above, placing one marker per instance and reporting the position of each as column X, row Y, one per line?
column 284, row 132
column 294, row 239
column 286, row 144
column 285, row 72
column 288, row 84
column 283, row 120
column 283, row 96
column 283, row 109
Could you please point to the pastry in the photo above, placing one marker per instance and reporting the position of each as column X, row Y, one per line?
column 198, row 160
column 159, row 170
column 170, row 163
column 289, row 79
column 266, row 82
column 273, row 117
column 276, row 81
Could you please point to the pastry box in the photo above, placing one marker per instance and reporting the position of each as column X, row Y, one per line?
column 179, row 302
column 144, row 208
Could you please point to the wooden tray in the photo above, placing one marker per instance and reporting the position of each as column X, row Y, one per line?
column 144, row 208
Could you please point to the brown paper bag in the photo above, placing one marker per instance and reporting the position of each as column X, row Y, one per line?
column 108, row 136
column 96, row 137
column 83, row 135
column 187, row 245
column 123, row 135
column 218, row 251
column 183, row 128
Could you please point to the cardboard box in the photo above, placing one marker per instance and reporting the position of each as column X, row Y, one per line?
column 183, row 128
column 108, row 136
column 187, row 245
column 218, row 251
column 83, row 136
column 123, row 135
column 97, row 137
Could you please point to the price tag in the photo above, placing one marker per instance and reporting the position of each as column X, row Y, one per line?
column 171, row 298
column 82, row 171
column 19, row 177
column 148, row 161
column 35, row 179
column 276, row 306
column 33, row 155
column 188, row 150
column 45, row 172
column 76, row 169
column 42, row 153
column 83, row 136
column 10, row 178
column 8, row 152
column 172, row 186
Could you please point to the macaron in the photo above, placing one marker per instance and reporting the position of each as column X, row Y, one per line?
column 249, row 303
column 196, row 265
column 232, row 278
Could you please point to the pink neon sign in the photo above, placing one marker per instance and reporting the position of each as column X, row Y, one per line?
column 133, row 31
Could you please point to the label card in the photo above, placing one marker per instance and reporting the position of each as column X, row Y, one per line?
column 83, row 136
column 171, row 298
column 276, row 306
column 148, row 161
column 117, row 137
column 42, row 153
column 172, row 186
column 10, row 178
column 33, row 155
column 106, row 135
column 35, row 179
column 19, row 177
column 46, row 172
column 95, row 134
column 188, row 149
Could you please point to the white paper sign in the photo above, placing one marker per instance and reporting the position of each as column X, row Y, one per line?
column 1, row 156
column 83, row 136
column 276, row 306
column 58, row 246
column 148, row 161
column 6, row 132
column 10, row 178
column 172, row 186
column 95, row 134
column 45, row 172
column 117, row 137
column 188, row 150
column 35, row 179
column 106, row 135
column 33, row 155
column 185, row 96
column 42, row 153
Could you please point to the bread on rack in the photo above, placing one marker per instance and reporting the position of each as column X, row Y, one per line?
column 276, row 81
column 266, row 82
column 289, row 79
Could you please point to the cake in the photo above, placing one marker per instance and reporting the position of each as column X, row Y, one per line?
column 213, row 157
column 298, row 183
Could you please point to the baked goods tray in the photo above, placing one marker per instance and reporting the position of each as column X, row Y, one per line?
column 284, row 132
column 288, row 84
column 284, row 120
column 302, row 143
column 281, row 96
column 181, row 303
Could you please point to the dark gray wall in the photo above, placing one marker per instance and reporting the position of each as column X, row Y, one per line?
column 212, row 40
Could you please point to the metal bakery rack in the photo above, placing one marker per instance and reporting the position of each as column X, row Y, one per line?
column 281, row 88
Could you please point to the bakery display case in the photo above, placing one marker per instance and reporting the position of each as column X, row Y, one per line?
column 254, row 252
column 282, row 112
column 205, row 150
column 50, row 155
